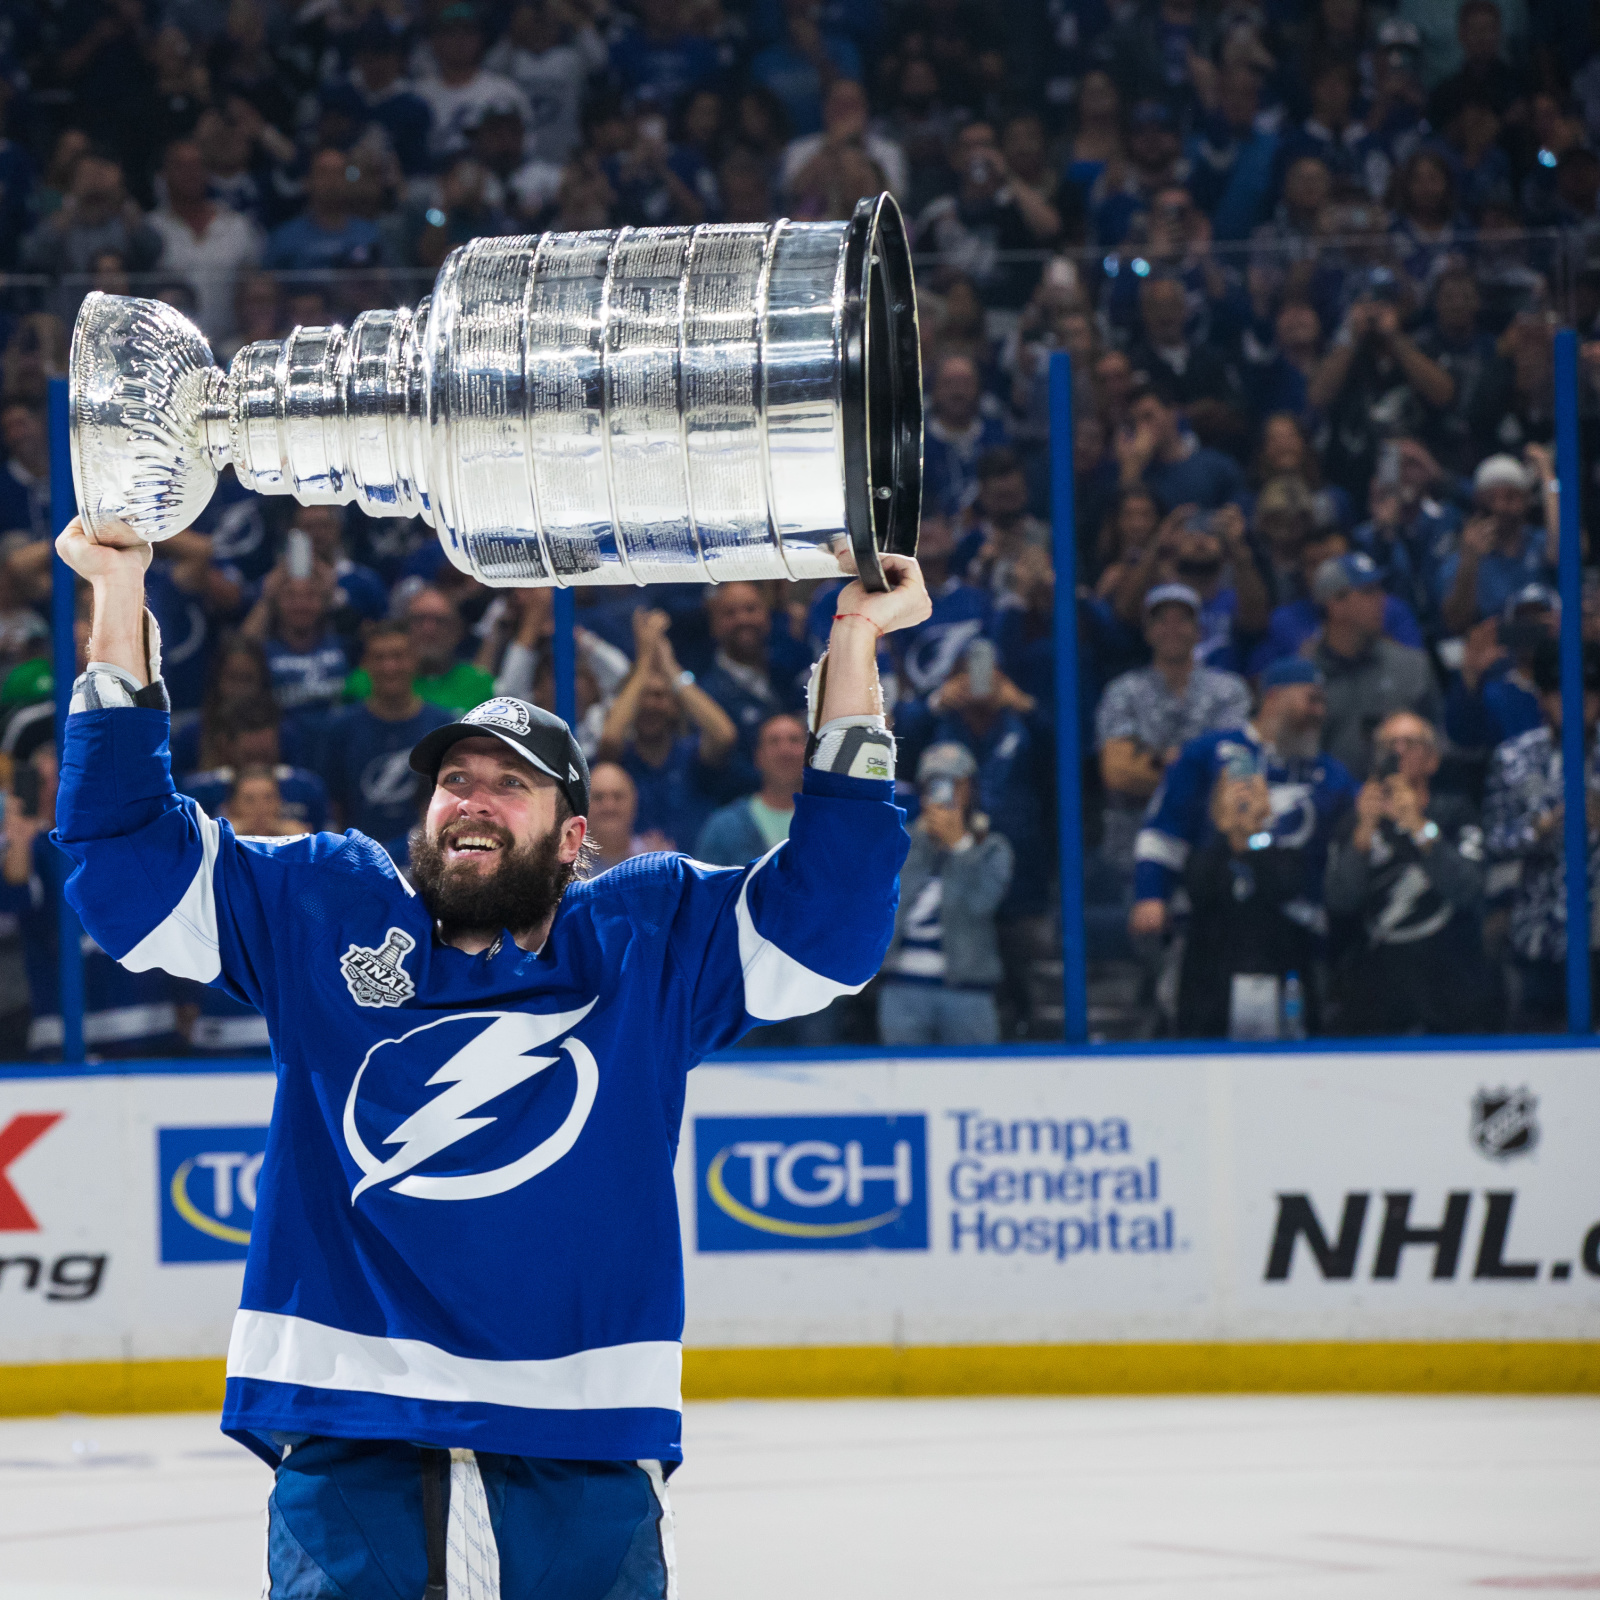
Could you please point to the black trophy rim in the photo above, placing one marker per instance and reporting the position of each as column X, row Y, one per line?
column 882, row 399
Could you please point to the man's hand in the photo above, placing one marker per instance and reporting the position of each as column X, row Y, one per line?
column 114, row 564
column 1404, row 805
column 1240, row 807
column 1477, row 539
column 851, row 687
column 903, row 604
column 649, row 629
column 118, row 551
column 1148, row 918
column 1482, row 649
column 945, row 825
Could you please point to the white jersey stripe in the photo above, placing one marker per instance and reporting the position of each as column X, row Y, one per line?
column 185, row 943
column 776, row 986
column 1152, row 844
column 279, row 1349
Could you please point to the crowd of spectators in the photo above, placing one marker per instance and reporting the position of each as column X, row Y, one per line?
column 1308, row 260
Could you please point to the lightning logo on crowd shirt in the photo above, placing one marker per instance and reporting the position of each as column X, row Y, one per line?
column 496, row 1059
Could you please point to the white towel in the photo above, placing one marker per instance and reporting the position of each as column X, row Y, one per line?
column 472, row 1559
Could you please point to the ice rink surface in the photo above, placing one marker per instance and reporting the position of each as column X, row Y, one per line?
column 1293, row 1497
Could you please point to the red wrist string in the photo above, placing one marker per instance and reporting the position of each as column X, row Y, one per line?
column 861, row 616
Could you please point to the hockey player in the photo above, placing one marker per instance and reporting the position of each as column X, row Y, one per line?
column 459, row 1340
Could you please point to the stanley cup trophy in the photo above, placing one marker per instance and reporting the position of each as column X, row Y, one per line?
column 654, row 405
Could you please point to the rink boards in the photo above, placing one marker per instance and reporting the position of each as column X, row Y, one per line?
column 1007, row 1223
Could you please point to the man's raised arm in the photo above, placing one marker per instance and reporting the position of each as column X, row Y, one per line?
column 122, row 634
column 812, row 918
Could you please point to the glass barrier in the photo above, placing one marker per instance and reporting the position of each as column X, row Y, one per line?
column 1316, row 580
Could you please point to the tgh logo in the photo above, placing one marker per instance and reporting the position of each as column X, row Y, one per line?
column 1504, row 1123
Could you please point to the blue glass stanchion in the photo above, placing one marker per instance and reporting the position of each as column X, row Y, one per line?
column 63, row 619
column 1069, row 787
column 1574, row 766
column 566, row 653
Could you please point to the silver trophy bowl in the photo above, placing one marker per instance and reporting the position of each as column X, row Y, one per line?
column 654, row 405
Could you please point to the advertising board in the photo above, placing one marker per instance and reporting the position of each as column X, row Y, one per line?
column 1168, row 1201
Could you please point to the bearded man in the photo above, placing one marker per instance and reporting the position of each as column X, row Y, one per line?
column 459, row 1343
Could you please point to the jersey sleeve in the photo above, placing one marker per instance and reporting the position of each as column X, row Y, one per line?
column 156, row 881
column 785, row 935
column 1174, row 823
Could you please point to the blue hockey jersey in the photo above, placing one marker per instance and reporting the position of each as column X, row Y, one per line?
column 467, row 1230
column 1307, row 799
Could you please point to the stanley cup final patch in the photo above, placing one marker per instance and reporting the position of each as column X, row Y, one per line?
column 376, row 977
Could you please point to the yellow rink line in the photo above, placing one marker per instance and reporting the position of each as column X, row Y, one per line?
column 839, row 1371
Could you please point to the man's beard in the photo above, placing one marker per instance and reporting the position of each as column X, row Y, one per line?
column 1294, row 743
column 523, row 889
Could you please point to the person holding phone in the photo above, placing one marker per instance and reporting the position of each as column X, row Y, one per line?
column 1409, row 863
column 943, row 966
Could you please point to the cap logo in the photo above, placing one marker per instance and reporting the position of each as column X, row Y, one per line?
column 502, row 712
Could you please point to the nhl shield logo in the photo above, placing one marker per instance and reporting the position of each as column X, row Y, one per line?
column 376, row 977
column 1504, row 1123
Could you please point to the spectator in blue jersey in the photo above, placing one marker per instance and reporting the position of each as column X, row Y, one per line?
column 1146, row 716
column 1335, row 136
column 943, row 966
column 960, row 428
column 1157, row 450
column 25, row 472
column 758, row 669
column 1211, row 554
column 293, row 623
column 191, row 595
column 799, row 67
column 239, row 677
column 1308, row 792
column 1491, row 697
column 658, row 59
column 1408, row 862
column 1295, row 623
column 327, row 234
column 377, row 73
column 1366, row 677
column 1233, row 155
column 1276, row 379
column 1501, row 550
column 359, row 593
column 1461, row 433
column 750, row 826
column 368, row 745
column 246, row 737
column 1001, row 527
column 125, row 1013
column 681, row 776
column 930, row 652
column 1524, row 815
column 1412, row 526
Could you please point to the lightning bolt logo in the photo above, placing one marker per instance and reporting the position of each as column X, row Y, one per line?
column 496, row 1060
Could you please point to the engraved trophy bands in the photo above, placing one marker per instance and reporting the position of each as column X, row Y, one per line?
column 653, row 405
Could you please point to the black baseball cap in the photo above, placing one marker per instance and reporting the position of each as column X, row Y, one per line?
column 538, row 736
